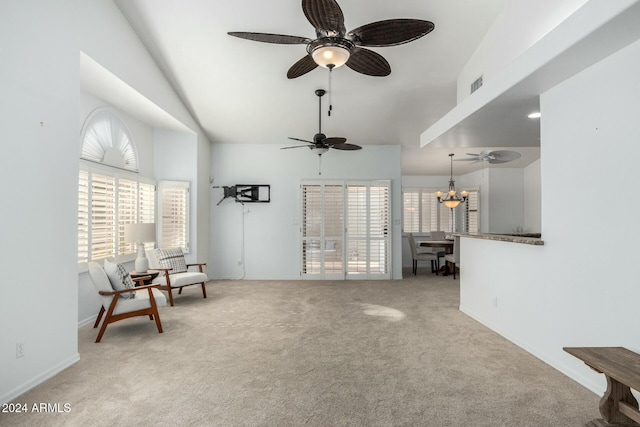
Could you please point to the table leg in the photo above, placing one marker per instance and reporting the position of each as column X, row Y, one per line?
column 610, row 404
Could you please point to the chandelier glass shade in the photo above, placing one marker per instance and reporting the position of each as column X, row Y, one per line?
column 451, row 198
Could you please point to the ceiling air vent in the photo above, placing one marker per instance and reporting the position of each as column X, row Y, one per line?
column 476, row 84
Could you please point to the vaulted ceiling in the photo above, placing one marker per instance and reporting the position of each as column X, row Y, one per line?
column 239, row 93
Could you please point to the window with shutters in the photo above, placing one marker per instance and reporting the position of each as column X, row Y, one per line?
column 110, row 192
column 345, row 229
column 173, row 214
column 107, row 200
column 471, row 213
column 423, row 213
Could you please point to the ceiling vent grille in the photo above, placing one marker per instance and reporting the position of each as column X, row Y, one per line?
column 476, row 84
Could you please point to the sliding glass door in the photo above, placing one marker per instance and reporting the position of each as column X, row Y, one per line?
column 345, row 230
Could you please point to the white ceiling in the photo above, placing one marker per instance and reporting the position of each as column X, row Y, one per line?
column 238, row 91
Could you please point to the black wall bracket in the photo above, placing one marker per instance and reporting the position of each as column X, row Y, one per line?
column 247, row 193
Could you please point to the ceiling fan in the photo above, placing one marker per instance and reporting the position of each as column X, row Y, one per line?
column 321, row 143
column 492, row 157
column 334, row 46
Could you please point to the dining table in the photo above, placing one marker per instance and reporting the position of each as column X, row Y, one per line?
column 447, row 244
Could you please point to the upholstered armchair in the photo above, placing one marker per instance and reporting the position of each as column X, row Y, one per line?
column 174, row 271
column 121, row 299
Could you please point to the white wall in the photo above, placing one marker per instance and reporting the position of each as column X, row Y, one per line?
column 39, row 169
column 176, row 160
column 520, row 25
column 271, row 230
column 506, row 200
column 565, row 293
column 532, row 198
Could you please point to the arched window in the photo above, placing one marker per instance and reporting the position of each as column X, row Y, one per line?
column 113, row 196
column 107, row 140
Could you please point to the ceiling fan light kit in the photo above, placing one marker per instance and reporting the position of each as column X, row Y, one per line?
column 330, row 52
column 334, row 46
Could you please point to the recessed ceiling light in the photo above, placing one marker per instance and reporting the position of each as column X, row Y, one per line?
column 535, row 115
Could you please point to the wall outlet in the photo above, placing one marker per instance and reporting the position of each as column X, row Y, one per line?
column 19, row 350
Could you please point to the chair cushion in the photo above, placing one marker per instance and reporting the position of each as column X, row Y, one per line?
column 182, row 279
column 171, row 258
column 140, row 302
column 119, row 278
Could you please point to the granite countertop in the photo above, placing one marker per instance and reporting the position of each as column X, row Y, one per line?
column 523, row 238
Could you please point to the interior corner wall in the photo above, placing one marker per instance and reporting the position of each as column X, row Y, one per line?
column 264, row 241
column 39, row 168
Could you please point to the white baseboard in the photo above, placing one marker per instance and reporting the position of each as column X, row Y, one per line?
column 569, row 371
column 39, row 379
column 87, row 321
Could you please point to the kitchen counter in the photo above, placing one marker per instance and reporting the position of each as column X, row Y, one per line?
column 523, row 238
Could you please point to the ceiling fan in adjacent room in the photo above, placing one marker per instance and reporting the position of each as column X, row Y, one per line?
column 491, row 157
column 321, row 143
column 334, row 46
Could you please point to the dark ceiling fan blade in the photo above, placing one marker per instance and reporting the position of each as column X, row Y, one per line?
column 391, row 32
column 347, row 147
column 368, row 62
column 297, row 146
column 334, row 140
column 302, row 140
column 270, row 38
column 303, row 66
column 325, row 16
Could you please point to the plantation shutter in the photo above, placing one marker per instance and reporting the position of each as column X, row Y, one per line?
column 357, row 220
column 147, row 207
column 83, row 216
column 127, row 212
column 411, row 211
column 333, row 231
column 103, row 216
column 173, row 227
column 379, row 225
column 368, row 226
column 311, row 229
column 323, row 230
column 472, row 222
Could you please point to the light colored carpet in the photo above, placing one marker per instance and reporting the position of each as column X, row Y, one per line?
column 295, row 353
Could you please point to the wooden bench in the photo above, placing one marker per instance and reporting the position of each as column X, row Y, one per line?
column 621, row 367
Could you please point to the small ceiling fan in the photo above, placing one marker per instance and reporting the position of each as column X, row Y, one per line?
column 321, row 143
column 334, row 46
column 492, row 157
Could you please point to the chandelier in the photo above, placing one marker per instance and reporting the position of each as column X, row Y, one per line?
column 451, row 199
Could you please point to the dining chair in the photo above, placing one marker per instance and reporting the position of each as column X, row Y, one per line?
column 438, row 235
column 422, row 256
column 454, row 258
